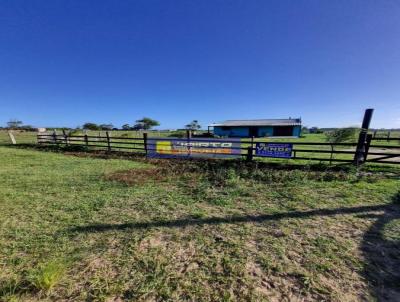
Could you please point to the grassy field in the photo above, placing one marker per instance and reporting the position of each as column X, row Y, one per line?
column 98, row 142
column 21, row 137
column 77, row 227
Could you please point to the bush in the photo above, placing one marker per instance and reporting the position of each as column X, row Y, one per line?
column 91, row 126
column 342, row 135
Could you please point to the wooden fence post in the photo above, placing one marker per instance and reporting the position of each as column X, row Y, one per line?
column 145, row 142
column 388, row 135
column 12, row 138
column 108, row 141
column 367, row 144
column 55, row 137
column 65, row 137
column 249, row 156
column 86, row 141
column 359, row 155
column 330, row 160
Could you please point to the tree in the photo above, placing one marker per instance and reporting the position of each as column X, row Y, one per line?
column 147, row 123
column 138, row 126
column 193, row 125
column 90, row 126
column 341, row 135
column 14, row 124
column 106, row 127
column 126, row 127
column 315, row 130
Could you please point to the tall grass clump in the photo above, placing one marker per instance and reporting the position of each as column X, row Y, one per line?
column 47, row 275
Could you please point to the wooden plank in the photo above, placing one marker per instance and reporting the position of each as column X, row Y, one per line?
column 12, row 138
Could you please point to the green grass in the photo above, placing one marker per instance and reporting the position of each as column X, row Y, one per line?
column 21, row 137
column 90, row 229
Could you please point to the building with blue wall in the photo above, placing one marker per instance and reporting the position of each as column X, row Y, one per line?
column 257, row 128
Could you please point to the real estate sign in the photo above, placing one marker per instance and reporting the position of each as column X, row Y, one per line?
column 274, row 150
column 193, row 147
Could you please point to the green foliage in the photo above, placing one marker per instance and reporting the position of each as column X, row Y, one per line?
column 342, row 135
column 315, row 130
column 91, row 126
column 193, row 125
column 146, row 123
column 106, row 127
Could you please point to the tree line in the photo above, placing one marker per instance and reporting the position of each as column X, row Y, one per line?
column 15, row 124
column 145, row 123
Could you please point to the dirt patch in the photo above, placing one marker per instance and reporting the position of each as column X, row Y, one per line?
column 220, row 173
column 156, row 241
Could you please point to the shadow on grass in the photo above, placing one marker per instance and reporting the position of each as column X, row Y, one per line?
column 382, row 257
column 221, row 220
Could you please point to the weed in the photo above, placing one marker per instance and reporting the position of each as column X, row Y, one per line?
column 47, row 275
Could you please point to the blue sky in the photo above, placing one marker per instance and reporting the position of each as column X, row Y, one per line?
column 63, row 63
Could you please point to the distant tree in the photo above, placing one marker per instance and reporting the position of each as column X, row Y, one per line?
column 146, row 123
column 27, row 128
column 106, row 127
column 341, row 135
column 14, row 124
column 193, row 125
column 90, row 126
column 126, row 127
column 305, row 130
column 315, row 130
column 138, row 126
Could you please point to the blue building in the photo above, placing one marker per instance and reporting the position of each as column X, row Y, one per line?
column 257, row 128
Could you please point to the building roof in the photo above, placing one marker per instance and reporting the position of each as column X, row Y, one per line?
column 261, row 122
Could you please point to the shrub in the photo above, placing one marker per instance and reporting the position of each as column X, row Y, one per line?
column 341, row 135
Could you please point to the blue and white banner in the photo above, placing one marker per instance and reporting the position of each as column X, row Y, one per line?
column 274, row 150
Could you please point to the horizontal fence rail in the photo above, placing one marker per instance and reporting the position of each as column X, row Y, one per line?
column 380, row 153
column 316, row 151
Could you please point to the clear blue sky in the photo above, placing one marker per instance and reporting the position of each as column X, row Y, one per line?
column 63, row 63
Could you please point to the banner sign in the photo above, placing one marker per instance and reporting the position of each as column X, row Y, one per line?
column 274, row 150
column 193, row 147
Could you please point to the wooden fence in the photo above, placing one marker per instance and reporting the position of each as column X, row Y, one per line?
column 317, row 151
column 382, row 153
